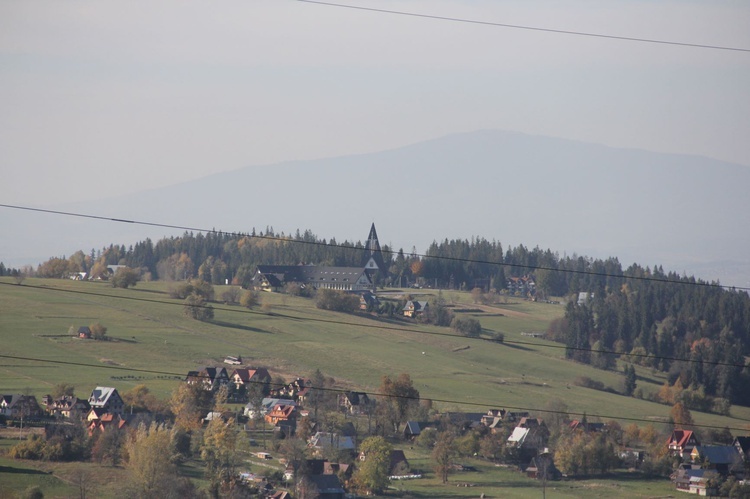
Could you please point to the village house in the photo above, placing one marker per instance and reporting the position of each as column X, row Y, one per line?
column 66, row 406
column 528, row 439
column 281, row 412
column 297, row 390
column 354, row 402
column 696, row 481
column 493, row 419
column 106, row 398
column 210, row 378
column 681, row 443
column 415, row 308
column 521, row 286
column 244, row 376
column 586, row 426
column 368, row 301
column 325, row 440
column 542, row 467
column 105, row 421
column 266, row 405
column 742, row 444
column 94, row 414
column 320, row 467
column 413, row 429
column 19, row 406
column 724, row 459
column 326, row 487
column 84, row 332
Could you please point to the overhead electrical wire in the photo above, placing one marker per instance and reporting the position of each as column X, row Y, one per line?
column 423, row 256
column 490, row 405
column 526, row 27
column 381, row 326
column 464, row 403
column 187, row 228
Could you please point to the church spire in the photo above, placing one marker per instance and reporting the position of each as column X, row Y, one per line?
column 372, row 244
column 373, row 260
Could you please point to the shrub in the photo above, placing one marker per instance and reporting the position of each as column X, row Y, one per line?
column 329, row 299
column 193, row 286
column 181, row 291
column 250, row 299
column 98, row 332
column 203, row 288
column 231, row 295
column 587, row 382
column 467, row 326
column 196, row 308
column 125, row 277
column 294, row 289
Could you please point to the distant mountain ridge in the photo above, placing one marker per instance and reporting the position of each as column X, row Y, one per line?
column 684, row 212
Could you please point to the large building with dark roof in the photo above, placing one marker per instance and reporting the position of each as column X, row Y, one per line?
column 275, row 277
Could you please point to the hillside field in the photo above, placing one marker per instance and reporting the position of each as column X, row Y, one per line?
column 148, row 331
column 151, row 341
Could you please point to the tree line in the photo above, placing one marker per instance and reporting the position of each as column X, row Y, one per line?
column 658, row 319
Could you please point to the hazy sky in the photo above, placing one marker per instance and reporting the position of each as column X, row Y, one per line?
column 100, row 98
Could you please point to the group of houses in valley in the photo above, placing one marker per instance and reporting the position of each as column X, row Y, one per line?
column 283, row 407
column 103, row 408
column 528, row 438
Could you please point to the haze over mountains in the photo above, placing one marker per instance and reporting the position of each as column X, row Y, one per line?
column 687, row 213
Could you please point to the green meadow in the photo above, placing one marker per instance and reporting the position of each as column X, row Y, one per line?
column 151, row 341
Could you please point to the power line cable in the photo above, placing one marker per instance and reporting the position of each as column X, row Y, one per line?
column 526, row 27
column 384, row 327
column 691, row 282
column 343, row 391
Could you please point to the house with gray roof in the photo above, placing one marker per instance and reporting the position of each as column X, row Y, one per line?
column 413, row 308
column 724, row 459
column 18, row 405
column 327, row 486
column 210, row 378
column 413, row 429
column 324, row 440
column 107, row 399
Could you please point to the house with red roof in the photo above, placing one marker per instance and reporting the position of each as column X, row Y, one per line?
column 682, row 442
column 281, row 412
column 105, row 421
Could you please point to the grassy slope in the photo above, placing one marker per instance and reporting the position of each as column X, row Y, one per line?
column 155, row 335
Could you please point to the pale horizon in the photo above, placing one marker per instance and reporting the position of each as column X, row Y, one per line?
column 105, row 98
